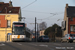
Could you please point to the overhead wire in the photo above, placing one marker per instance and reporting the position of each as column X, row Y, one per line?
column 29, row 23
column 47, row 18
column 37, row 12
column 29, row 4
column 50, row 16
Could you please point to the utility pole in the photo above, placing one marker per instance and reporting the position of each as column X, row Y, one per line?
column 6, row 26
column 35, row 29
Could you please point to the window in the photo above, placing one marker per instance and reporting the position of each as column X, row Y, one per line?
column 8, row 23
column 72, row 28
column 71, row 19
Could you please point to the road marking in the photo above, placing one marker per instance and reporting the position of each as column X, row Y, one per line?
column 19, row 44
column 2, row 44
column 57, row 44
column 44, row 45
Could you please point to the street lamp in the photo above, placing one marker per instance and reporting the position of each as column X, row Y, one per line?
column 6, row 25
column 37, row 29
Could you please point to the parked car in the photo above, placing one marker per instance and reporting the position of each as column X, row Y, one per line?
column 68, row 38
column 43, row 39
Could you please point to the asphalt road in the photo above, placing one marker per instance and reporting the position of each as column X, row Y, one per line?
column 36, row 46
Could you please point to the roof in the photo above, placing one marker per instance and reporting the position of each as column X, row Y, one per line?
column 4, row 8
column 71, row 11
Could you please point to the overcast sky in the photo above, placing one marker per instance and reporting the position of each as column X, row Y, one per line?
column 47, row 10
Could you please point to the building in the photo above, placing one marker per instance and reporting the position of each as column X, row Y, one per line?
column 42, row 32
column 68, row 25
column 8, row 14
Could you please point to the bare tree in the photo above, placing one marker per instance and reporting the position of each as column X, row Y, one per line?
column 42, row 26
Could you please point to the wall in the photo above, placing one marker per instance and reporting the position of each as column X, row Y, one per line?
column 5, row 31
column 12, row 17
column 71, row 23
column 66, row 19
column 42, row 32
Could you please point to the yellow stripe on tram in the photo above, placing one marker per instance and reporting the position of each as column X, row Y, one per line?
column 18, row 36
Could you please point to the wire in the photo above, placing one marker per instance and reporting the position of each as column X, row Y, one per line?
column 47, row 18
column 60, row 19
column 50, row 16
column 37, row 12
column 29, row 4
column 30, row 24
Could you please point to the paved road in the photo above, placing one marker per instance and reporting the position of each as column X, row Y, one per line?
column 36, row 46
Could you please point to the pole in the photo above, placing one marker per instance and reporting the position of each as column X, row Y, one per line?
column 6, row 26
column 35, row 29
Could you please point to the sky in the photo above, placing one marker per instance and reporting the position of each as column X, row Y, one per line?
column 48, row 11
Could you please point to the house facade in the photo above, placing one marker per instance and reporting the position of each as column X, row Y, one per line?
column 8, row 14
column 69, row 18
column 42, row 32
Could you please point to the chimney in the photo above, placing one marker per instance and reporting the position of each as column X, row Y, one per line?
column 10, row 3
column 66, row 5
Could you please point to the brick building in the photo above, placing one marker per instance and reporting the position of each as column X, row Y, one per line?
column 69, row 18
